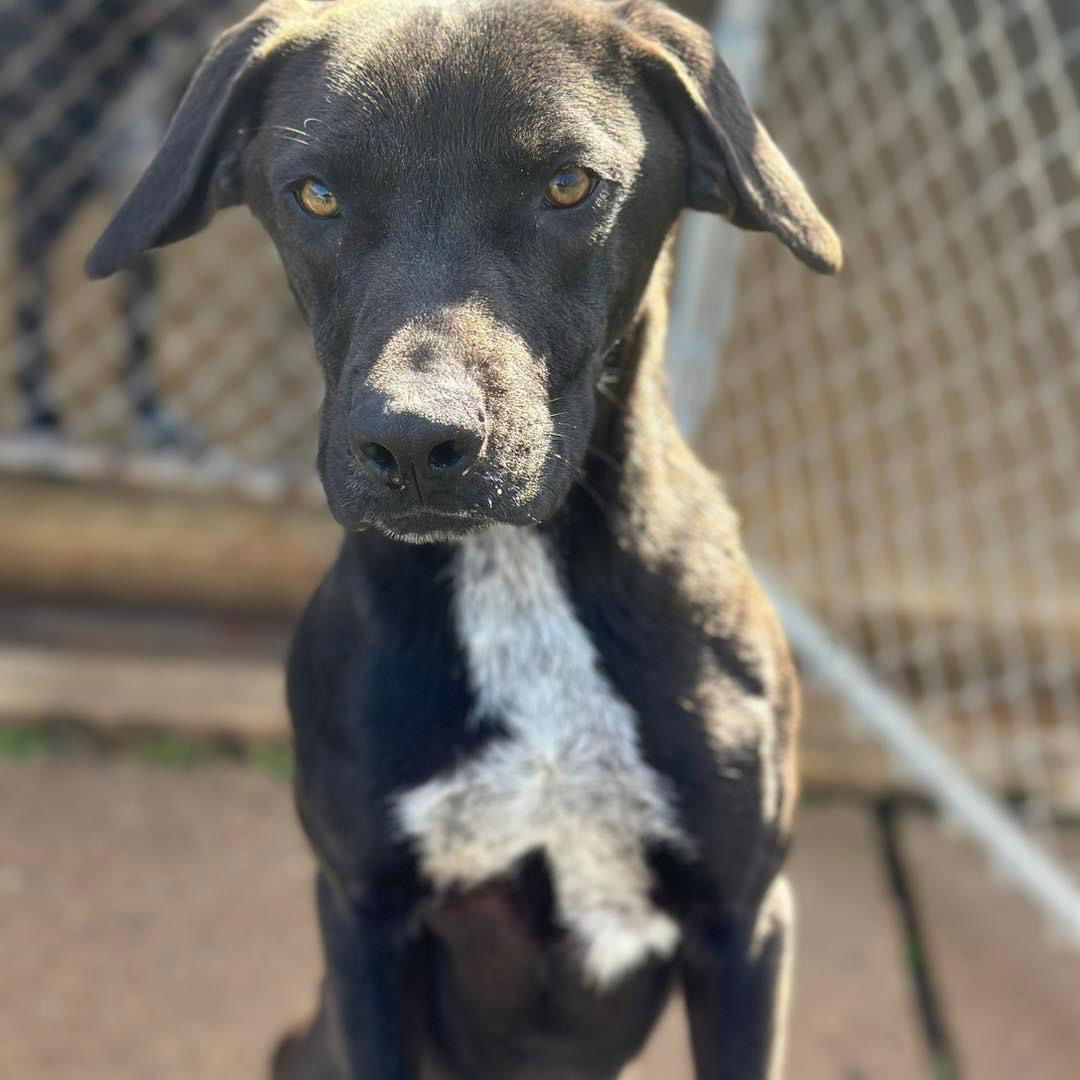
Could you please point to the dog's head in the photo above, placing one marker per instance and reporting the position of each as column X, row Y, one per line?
column 468, row 198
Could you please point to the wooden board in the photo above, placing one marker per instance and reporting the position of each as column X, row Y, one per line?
column 196, row 675
column 189, row 696
column 108, row 545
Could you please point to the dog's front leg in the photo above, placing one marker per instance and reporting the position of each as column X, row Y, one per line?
column 365, row 985
column 735, row 980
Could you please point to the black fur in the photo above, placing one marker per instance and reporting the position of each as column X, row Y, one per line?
column 447, row 278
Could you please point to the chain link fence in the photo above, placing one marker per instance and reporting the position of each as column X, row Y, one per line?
column 902, row 442
column 199, row 351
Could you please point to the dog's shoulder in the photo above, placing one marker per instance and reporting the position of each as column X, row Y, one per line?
column 665, row 574
column 689, row 638
column 746, row 688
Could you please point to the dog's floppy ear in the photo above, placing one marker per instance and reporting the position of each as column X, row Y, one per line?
column 196, row 170
column 734, row 167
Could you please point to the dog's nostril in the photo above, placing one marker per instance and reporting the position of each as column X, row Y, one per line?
column 380, row 460
column 445, row 456
column 379, row 456
column 401, row 450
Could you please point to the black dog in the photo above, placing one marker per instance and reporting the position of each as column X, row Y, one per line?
column 68, row 68
column 544, row 719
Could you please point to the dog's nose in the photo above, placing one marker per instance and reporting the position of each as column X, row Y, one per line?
column 398, row 448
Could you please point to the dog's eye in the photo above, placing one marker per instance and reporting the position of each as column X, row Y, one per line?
column 570, row 187
column 317, row 199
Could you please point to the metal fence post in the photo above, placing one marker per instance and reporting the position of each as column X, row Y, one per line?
column 706, row 283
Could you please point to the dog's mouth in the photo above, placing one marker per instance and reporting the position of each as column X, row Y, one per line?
column 430, row 526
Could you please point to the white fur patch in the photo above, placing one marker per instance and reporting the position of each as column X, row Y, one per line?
column 569, row 779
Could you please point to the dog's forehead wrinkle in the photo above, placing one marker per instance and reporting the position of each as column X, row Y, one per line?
column 492, row 81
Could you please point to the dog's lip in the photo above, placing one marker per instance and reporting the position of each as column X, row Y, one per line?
column 423, row 521
column 430, row 513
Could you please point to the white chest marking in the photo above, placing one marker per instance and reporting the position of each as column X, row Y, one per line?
column 568, row 779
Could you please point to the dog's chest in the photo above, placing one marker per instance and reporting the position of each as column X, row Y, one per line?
column 567, row 779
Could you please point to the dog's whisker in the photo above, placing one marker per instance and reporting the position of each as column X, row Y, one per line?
column 294, row 131
column 576, row 476
column 606, row 458
column 606, row 511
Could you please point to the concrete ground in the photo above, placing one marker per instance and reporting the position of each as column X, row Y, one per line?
column 156, row 924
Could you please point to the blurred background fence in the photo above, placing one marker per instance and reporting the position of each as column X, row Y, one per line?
column 904, row 445
column 902, row 442
column 199, row 350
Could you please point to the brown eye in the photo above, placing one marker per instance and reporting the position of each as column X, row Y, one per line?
column 569, row 187
column 317, row 199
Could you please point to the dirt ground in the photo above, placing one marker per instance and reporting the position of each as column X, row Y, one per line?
column 156, row 924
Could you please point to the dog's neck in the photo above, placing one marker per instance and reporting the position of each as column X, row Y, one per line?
column 636, row 447
column 634, row 428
